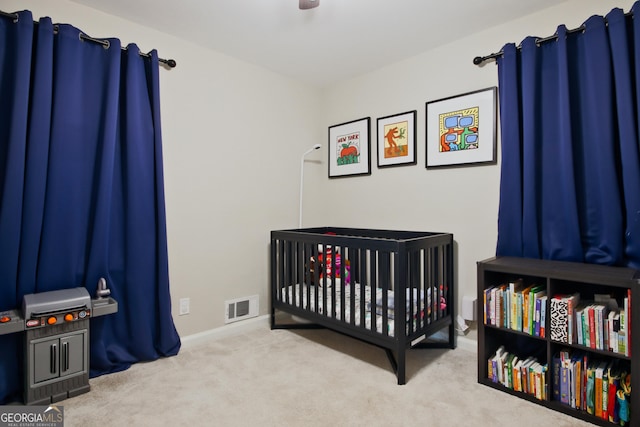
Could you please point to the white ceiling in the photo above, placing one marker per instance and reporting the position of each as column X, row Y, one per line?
column 339, row 39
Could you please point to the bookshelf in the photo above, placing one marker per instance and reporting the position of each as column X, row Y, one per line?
column 595, row 285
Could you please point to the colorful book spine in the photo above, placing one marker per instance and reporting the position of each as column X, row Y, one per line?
column 543, row 316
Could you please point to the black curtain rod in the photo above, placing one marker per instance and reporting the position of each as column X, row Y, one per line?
column 480, row 59
column 169, row 62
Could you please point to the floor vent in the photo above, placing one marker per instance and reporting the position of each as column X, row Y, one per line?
column 240, row 309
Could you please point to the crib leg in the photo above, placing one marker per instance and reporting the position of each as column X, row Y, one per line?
column 398, row 365
column 402, row 362
column 453, row 336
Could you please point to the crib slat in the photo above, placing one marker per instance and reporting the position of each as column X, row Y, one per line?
column 385, row 280
column 371, row 258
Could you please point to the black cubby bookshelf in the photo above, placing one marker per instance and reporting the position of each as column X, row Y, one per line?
column 559, row 277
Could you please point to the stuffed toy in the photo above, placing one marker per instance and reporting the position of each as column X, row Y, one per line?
column 325, row 261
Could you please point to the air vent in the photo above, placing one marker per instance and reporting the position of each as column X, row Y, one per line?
column 241, row 308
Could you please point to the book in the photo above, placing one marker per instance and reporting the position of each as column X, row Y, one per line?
column 532, row 377
column 610, row 334
column 486, row 295
column 508, row 372
column 536, row 325
column 592, row 326
column 597, row 388
column 565, row 366
column 576, row 379
column 614, row 335
column 556, row 376
column 562, row 326
column 559, row 319
column 598, row 315
column 535, row 293
column 629, row 316
column 524, row 375
column 517, row 375
column 579, row 324
column 539, row 375
column 496, row 364
column 590, row 390
column 622, row 334
column 572, row 302
column 523, row 320
column 583, row 386
column 543, row 316
column 605, row 392
column 511, row 362
column 514, row 290
column 492, row 306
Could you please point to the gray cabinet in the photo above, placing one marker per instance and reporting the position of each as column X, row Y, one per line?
column 58, row 356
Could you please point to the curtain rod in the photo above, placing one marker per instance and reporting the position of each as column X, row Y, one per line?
column 169, row 62
column 480, row 59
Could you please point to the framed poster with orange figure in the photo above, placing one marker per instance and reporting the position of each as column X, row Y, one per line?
column 397, row 140
column 461, row 130
column 350, row 148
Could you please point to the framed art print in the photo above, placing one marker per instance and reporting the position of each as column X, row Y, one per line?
column 397, row 140
column 461, row 130
column 349, row 148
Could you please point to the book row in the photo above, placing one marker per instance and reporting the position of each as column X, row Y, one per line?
column 516, row 306
column 599, row 387
column 524, row 375
column 598, row 324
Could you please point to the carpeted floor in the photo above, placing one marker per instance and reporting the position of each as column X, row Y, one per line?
column 260, row 377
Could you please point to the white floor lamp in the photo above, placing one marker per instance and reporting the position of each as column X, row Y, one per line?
column 315, row 147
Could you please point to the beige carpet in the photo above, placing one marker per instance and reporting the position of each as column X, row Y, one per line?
column 260, row 377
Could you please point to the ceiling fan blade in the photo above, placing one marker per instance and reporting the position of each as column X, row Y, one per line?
column 308, row 4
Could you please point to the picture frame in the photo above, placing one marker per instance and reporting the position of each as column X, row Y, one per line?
column 461, row 130
column 350, row 148
column 396, row 135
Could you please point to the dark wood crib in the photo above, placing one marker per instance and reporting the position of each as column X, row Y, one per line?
column 392, row 289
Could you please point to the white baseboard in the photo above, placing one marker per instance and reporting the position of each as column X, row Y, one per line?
column 227, row 330
column 230, row 329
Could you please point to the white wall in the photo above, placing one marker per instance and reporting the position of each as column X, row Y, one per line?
column 463, row 201
column 232, row 136
column 230, row 176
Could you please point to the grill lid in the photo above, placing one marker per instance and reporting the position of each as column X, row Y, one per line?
column 34, row 305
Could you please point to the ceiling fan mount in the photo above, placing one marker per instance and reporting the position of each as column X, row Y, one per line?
column 308, row 4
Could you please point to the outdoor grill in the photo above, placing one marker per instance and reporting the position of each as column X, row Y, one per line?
column 56, row 326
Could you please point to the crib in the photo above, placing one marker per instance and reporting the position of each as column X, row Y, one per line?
column 392, row 289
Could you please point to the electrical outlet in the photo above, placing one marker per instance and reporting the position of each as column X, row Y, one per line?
column 184, row 306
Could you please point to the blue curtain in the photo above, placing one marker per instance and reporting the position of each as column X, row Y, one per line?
column 570, row 171
column 81, row 189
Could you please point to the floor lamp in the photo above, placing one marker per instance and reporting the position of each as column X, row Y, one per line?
column 315, row 147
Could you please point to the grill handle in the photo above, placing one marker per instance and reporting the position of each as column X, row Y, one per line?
column 65, row 356
column 53, row 350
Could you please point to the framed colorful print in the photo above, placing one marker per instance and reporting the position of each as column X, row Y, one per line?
column 397, row 139
column 461, row 130
column 350, row 148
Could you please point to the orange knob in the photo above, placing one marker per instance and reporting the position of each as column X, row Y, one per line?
column 52, row 320
column 68, row 317
column 4, row 319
